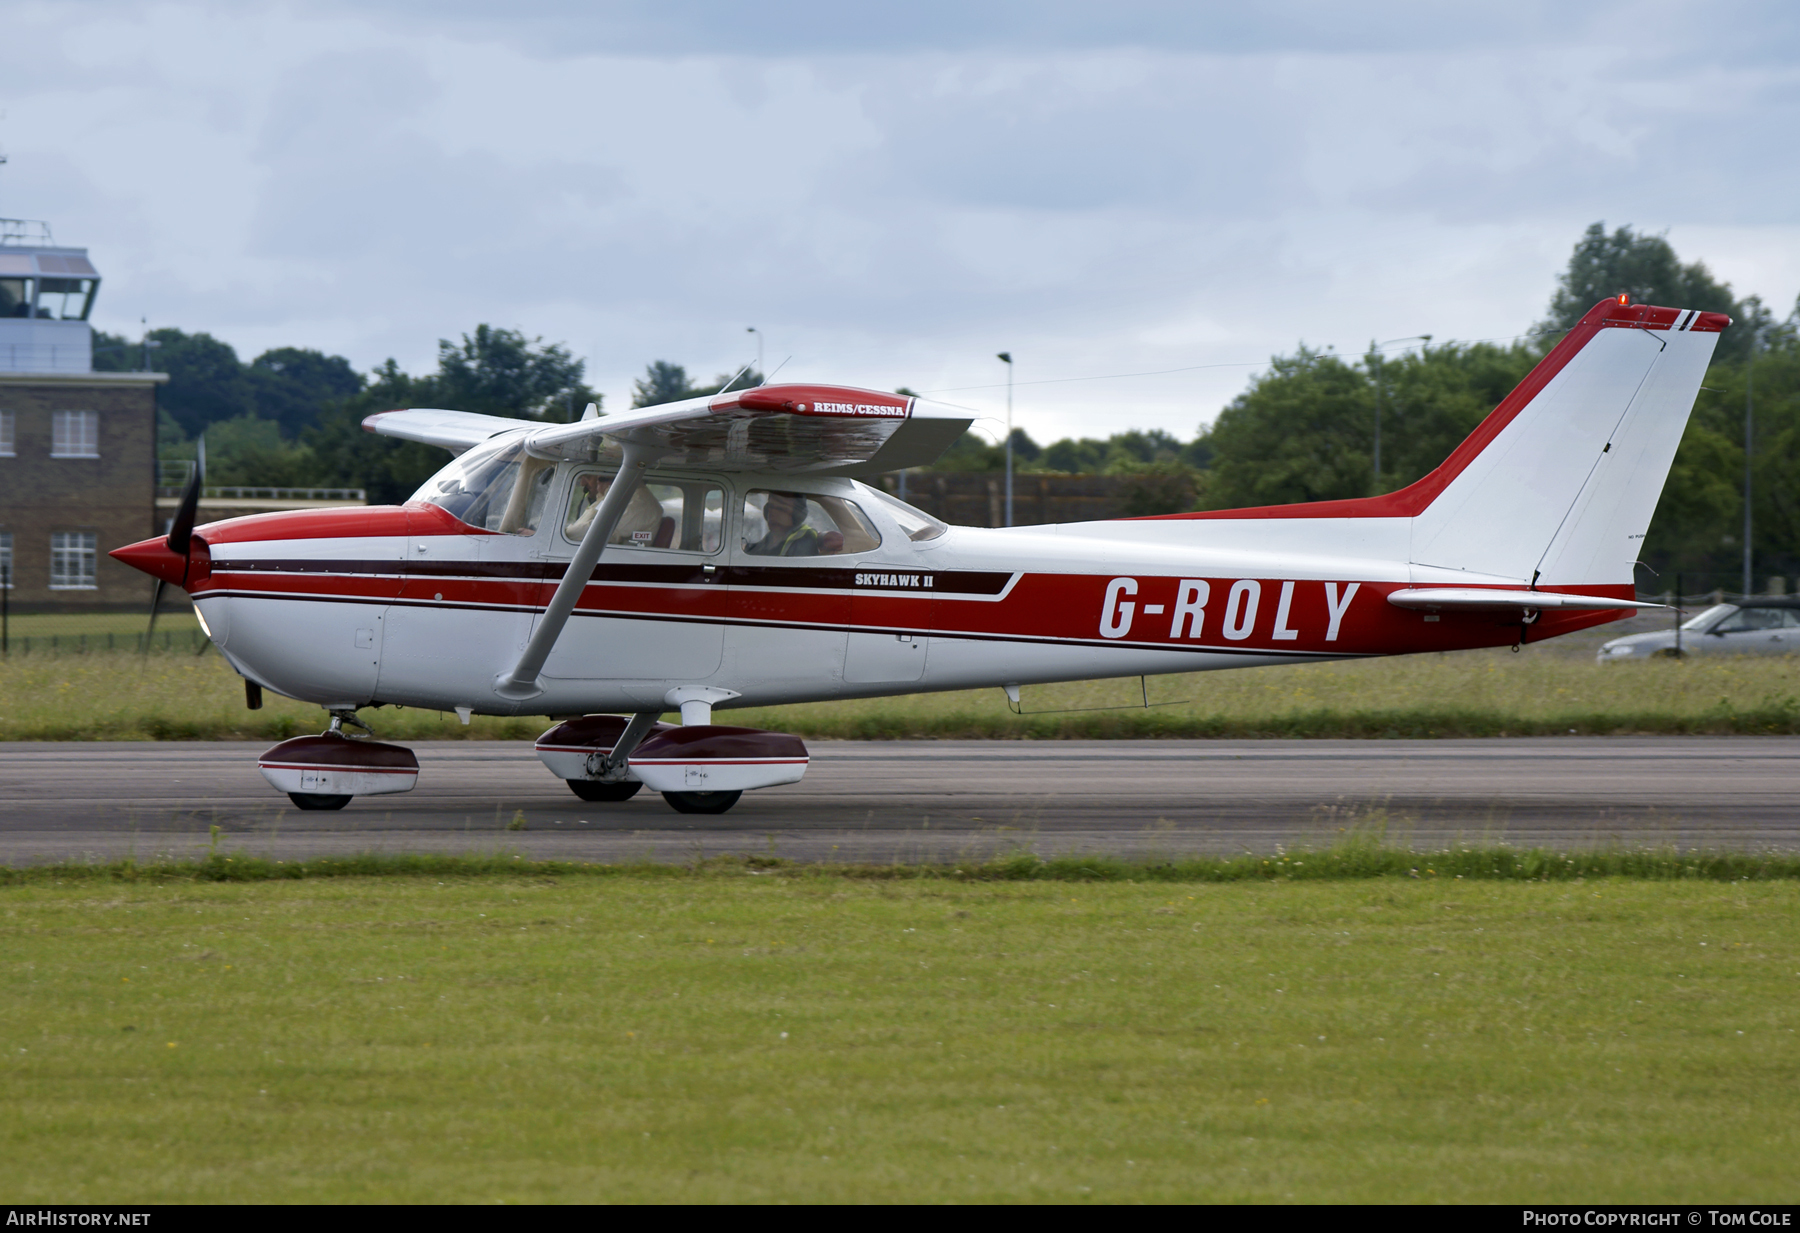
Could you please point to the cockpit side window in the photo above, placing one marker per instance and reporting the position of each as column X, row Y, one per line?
column 680, row 515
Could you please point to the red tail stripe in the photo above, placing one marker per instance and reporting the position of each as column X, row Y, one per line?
column 1410, row 502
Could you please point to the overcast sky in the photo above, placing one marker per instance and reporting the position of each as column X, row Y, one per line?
column 893, row 193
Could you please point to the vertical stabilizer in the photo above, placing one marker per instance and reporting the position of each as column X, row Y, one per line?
column 1563, row 486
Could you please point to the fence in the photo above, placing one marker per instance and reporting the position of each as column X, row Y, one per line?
column 38, row 634
column 162, row 642
column 978, row 498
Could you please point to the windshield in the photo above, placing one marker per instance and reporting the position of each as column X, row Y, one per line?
column 502, row 489
column 1705, row 619
column 917, row 524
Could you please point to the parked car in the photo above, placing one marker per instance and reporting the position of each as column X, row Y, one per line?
column 1749, row 627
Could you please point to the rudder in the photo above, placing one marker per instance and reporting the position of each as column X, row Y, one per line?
column 1562, row 488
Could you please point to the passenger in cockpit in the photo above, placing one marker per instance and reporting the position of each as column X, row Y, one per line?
column 642, row 513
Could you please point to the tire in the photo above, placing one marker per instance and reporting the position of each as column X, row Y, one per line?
column 594, row 790
column 701, row 802
column 318, row 800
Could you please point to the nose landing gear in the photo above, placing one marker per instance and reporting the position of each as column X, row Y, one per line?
column 323, row 772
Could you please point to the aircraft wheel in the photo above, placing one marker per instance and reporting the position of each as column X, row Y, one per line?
column 593, row 790
column 701, row 802
column 318, row 800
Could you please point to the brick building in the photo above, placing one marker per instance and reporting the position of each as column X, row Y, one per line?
column 77, row 447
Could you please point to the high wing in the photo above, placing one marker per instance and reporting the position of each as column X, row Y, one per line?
column 816, row 429
column 456, row 431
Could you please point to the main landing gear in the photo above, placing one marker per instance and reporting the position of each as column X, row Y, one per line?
column 699, row 767
column 701, row 802
column 592, row 790
column 325, row 771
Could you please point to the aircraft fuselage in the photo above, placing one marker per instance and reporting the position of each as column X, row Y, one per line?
column 409, row 606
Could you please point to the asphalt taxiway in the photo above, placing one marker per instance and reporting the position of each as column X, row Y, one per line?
column 934, row 800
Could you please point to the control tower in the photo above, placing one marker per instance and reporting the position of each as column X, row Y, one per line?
column 77, row 447
column 46, row 293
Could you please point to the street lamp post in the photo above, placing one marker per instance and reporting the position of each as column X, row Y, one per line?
column 1006, row 358
column 1749, row 426
column 1376, row 353
column 750, row 329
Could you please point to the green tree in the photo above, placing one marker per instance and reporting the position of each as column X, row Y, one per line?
column 1433, row 397
column 1168, row 486
column 974, row 452
column 492, row 372
column 661, row 383
column 1301, row 432
column 1699, row 524
column 1700, row 513
column 664, row 382
column 1646, row 268
column 249, row 451
column 502, row 372
column 206, row 381
column 390, row 470
column 1024, row 449
column 1072, row 456
column 292, row 385
column 116, row 353
column 1120, row 454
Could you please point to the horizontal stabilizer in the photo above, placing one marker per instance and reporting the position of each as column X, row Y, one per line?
column 1486, row 599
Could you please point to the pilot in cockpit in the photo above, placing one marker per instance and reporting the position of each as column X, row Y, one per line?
column 788, row 535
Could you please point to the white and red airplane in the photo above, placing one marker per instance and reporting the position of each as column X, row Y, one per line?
column 721, row 552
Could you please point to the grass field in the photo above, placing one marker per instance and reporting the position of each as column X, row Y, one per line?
column 1543, row 691
column 746, row 1034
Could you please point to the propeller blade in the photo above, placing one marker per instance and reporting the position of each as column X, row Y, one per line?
column 181, row 531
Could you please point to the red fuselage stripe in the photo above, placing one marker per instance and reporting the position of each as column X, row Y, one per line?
column 1239, row 617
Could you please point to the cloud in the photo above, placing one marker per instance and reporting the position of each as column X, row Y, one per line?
column 891, row 194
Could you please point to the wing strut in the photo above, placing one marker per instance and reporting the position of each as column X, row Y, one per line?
column 521, row 683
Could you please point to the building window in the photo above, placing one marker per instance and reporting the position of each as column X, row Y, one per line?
column 6, row 560
column 72, row 561
column 6, row 434
column 74, row 434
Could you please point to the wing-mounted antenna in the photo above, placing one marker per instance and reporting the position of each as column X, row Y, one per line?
column 726, row 388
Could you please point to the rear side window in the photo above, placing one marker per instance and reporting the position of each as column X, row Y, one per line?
column 917, row 524
column 804, row 524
